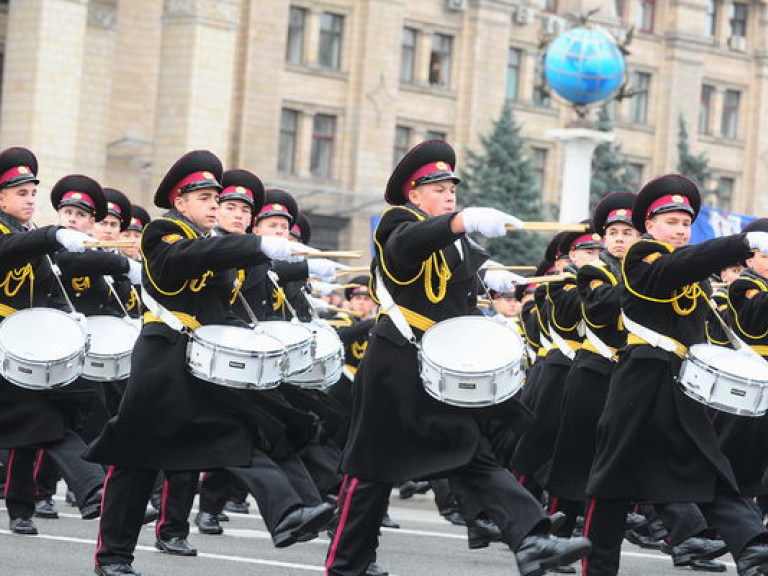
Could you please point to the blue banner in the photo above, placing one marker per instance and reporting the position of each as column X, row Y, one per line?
column 713, row 223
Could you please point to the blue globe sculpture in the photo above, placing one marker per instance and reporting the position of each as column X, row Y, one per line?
column 584, row 65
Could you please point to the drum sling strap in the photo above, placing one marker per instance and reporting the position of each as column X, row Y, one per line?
column 600, row 347
column 389, row 307
column 653, row 338
column 562, row 344
column 161, row 313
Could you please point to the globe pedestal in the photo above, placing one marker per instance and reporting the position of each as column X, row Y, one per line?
column 580, row 144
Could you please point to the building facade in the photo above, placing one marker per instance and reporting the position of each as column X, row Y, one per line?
column 322, row 97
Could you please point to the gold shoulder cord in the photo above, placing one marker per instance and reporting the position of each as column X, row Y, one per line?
column 553, row 314
column 692, row 291
column 613, row 281
column 189, row 233
column 16, row 278
column 763, row 288
column 238, row 285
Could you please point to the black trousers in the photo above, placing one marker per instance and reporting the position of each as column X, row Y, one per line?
column 176, row 498
column 322, row 461
column 363, row 504
column 83, row 478
column 46, row 476
column 220, row 485
column 733, row 517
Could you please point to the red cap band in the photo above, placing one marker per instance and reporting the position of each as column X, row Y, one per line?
column 672, row 200
column 620, row 214
column 275, row 209
column 590, row 238
column 13, row 173
column 76, row 196
column 191, row 179
column 112, row 207
column 236, row 190
column 425, row 170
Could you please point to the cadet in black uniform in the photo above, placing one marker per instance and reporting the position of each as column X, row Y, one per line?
column 743, row 440
column 32, row 419
column 399, row 431
column 654, row 443
column 168, row 419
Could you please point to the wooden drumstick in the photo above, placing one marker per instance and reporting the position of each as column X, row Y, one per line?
column 551, row 227
column 353, row 270
column 345, row 311
column 351, row 254
column 545, row 279
column 511, row 268
column 109, row 244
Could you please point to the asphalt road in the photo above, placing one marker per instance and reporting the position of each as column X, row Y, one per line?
column 424, row 545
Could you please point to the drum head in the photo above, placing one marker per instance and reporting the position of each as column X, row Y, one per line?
column 237, row 338
column 328, row 341
column 471, row 344
column 41, row 335
column 110, row 335
column 739, row 364
column 288, row 333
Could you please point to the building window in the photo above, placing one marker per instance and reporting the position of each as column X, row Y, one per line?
column 539, row 166
column 739, row 15
column 331, row 30
column 323, row 139
column 731, row 104
column 289, row 137
column 638, row 111
column 646, row 14
column 440, row 60
column 514, row 58
column 294, row 51
column 548, row 6
column 435, row 135
column 540, row 92
column 705, row 109
column 711, row 21
column 724, row 193
column 408, row 55
column 634, row 175
column 402, row 143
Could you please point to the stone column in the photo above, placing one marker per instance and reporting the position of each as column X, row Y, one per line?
column 580, row 144
column 96, row 87
column 44, row 79
column 196, row 79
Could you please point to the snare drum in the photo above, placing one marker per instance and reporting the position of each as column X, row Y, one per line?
column 471, row 361
column 299, row 342
column 109, row 355
column 329, row 359
column 235, row 357
column 726, row 379
column 41, row 348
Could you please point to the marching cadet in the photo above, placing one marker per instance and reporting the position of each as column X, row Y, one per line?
column 132, row 233
column 743, row 440
column 168, row 419
column 654, row 443
column 399, row 432
column 534, row 450
column 32, row 419
column 586, row 388
column 243, row 195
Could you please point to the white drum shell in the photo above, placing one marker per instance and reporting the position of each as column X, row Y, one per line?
column 725, row 379
column 299, row 342
column 111, row 344
column 235, row 357
column 471, row 362
column 328, row 363
column 41, row 348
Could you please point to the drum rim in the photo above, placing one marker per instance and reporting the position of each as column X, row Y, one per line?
column 708, row 367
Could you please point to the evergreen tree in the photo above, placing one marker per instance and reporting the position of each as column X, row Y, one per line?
column 610, row 168
column 695, row 167
column 501, row 177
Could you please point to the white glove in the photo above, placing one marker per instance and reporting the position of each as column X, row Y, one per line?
column 319, row 304
column 502, row 280
column 277, row 248
column 324, row 269
column 299, row 247
column 488, row 221
column 134, row 271
column 758, row 241
column 323, row 288
column 72, row 240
